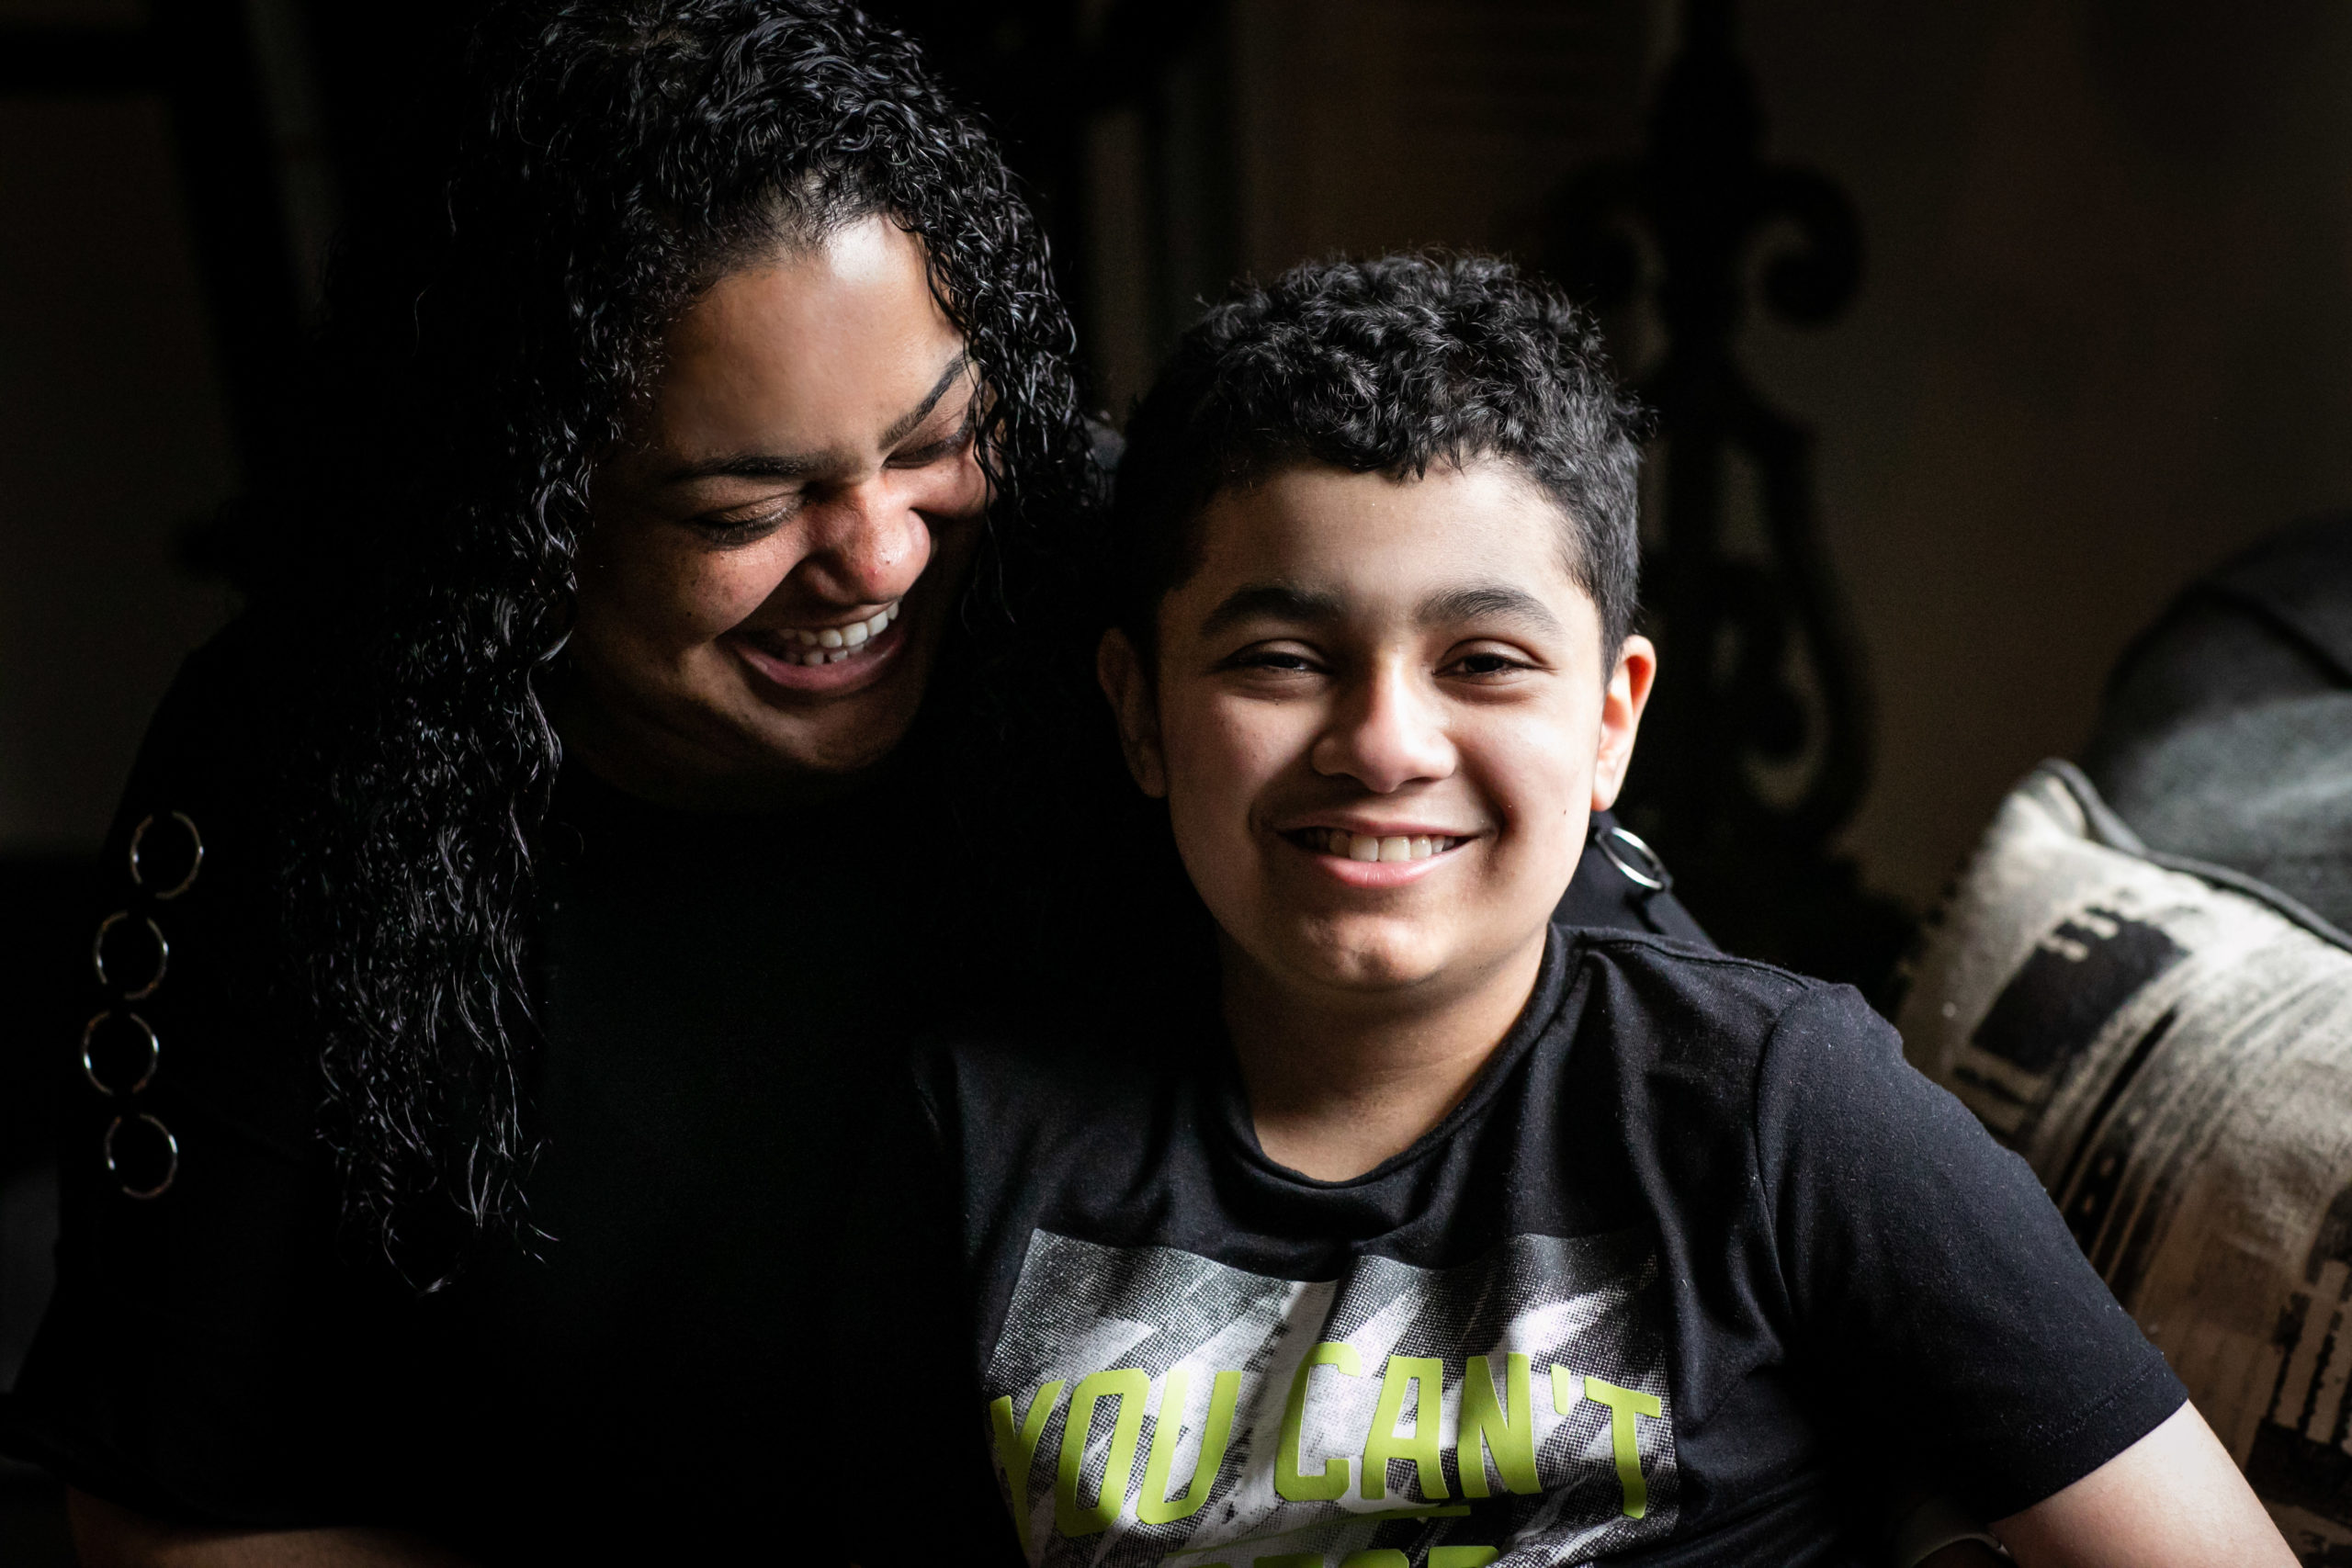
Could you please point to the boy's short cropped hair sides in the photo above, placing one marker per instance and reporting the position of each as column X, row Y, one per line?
column 1385, row 366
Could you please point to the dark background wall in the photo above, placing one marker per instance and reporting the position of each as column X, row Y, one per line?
column 113, row 436
column 2104, row 339
column 2103, row 335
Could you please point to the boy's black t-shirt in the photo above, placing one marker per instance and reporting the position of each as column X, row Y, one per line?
column 1697, row 1260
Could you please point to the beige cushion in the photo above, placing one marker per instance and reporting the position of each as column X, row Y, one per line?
column 2169, row 1046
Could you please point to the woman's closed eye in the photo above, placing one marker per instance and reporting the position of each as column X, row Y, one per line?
column 727, row 529
column 953, row 444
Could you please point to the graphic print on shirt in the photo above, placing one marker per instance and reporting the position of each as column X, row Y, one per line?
column 1149, row 1405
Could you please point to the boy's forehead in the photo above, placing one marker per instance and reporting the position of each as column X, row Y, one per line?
column 1482, row 537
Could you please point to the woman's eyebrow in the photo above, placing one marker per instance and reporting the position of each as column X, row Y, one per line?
column 754, row 466
column 799, row 464
column 1484, row 600
column 907, row 422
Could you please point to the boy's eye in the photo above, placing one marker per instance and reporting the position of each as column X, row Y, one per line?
column 1486, row 663
column 1281, row 660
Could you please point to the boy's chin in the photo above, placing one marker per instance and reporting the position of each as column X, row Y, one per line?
column 1368, row 959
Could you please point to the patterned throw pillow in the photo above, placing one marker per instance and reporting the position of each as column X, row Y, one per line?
column 2169, row 1045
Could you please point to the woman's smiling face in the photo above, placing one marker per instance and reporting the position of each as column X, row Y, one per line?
column 775, row 556
column 1381, row 719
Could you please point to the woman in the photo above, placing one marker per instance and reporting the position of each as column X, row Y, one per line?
column 567, row 819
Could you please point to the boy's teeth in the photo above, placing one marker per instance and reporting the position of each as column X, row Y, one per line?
column 1366, row 847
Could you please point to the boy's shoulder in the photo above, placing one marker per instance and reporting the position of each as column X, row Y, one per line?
column 1695, row 967
column 1682, row 1004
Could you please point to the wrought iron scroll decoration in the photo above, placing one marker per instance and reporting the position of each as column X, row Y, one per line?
column 1729, row 625
column 1705, row 194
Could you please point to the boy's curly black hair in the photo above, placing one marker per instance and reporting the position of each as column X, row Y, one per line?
column 487, row 339
column 1384, row 366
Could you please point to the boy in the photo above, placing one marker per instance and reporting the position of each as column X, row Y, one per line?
column 1467, row 1239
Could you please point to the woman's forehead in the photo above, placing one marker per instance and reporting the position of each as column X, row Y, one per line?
column 812, row 345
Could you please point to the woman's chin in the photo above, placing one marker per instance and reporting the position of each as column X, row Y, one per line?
column 846, row 739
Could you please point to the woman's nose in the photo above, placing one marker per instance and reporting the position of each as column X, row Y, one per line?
column 867, row 542
column 1386, row 733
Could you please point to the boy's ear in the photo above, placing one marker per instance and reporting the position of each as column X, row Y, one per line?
column 1119, row 669
column 1622, row 704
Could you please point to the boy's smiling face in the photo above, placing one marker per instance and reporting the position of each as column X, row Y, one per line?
column 1381, row 720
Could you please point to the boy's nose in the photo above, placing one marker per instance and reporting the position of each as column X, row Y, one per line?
column 1385, row 734
column 866, row 543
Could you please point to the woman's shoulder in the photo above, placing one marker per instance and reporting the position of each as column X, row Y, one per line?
column 233, row 712
column 1053, row 1078
column 185, row 910
column 198, row 835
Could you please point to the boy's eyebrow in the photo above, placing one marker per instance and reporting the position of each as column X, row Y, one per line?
column 1290, row 602
column 1283, row 601
column 1484, row 599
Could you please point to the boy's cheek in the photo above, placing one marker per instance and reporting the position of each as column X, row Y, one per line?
column 1545, row 829
column 1210, row 818
column 1222, row 757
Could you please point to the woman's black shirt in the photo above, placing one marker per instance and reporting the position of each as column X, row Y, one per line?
column 719, row 995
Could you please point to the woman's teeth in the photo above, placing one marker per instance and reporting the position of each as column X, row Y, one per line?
column 833, row 644
column 1364, row 846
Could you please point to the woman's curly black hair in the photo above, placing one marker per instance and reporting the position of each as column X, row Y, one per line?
column 485, row 344
column 1385, row 366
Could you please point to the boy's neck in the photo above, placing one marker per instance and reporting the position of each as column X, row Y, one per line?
column 1340, row 1081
